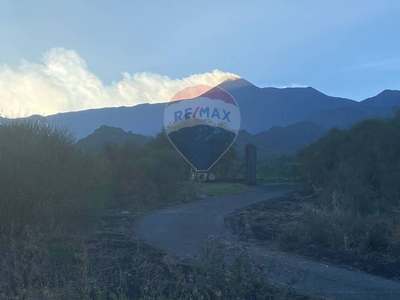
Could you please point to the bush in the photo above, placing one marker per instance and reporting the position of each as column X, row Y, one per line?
column 45, row 180
column 359, row 165
column 354, row 174
column 149, row 176
column 283, row 168
column 342, row 231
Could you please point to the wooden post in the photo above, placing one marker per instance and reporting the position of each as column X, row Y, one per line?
column 251, row 164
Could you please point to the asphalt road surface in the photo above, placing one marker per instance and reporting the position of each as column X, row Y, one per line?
column 182, row 229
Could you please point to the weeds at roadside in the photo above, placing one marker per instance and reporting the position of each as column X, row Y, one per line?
column 136, row 271
column 295, row 224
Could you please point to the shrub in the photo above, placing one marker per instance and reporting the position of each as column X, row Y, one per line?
column 341, row 231
column 45, row 180
column 283, row 168
column 149, row 176
column 359, row 165
column 354, row 174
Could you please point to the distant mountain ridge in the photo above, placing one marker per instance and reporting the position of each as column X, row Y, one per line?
column 261, row 109
column 387, row 98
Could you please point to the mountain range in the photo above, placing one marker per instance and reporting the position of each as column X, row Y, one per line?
column 275, row 119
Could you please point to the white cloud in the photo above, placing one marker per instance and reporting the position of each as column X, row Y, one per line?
column 291, row 85
column 62, row 82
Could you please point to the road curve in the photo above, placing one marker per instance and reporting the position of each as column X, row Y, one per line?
column 182, row 229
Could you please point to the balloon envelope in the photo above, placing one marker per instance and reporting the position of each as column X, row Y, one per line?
column 202, row 122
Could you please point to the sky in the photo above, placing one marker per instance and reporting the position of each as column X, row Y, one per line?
column 58, row 56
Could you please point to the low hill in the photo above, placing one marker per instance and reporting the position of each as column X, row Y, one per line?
column 275, row 141
column 108, row 134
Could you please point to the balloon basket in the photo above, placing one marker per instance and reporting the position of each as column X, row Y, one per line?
column 202, row 176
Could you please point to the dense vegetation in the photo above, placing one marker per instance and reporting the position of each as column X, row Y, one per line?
column 149, row 175
column 59, row 239
column 280, row 168
column 45, row 180
column 355, row 176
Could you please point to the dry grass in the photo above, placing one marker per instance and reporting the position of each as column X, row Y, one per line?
column 294, row 224
column 111, row 264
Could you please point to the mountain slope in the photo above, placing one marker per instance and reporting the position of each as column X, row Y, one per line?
column 281, row 140
column 344, row 117
column 263, row 108
column 385, row 99
column 383, row 105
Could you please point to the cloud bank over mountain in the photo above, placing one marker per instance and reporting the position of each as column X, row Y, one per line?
column 62, row 82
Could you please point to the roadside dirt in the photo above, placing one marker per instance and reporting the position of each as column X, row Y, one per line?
column 269, row 224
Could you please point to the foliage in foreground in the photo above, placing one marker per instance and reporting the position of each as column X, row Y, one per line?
column 218, row 275
column 45, row 180
column 354, row 174
column 80, row 272
column 283, row 168
column 50, row 187
column 147, row 176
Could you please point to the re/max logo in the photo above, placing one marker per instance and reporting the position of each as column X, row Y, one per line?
column 202, row 112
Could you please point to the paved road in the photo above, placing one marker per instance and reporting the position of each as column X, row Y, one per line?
column 181, row 229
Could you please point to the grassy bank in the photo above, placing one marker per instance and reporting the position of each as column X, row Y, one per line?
column 279, row 169
column 222, row 188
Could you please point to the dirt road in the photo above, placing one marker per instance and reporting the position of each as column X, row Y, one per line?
column 182, row 229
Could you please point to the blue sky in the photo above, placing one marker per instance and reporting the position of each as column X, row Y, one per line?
column 343, row 48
